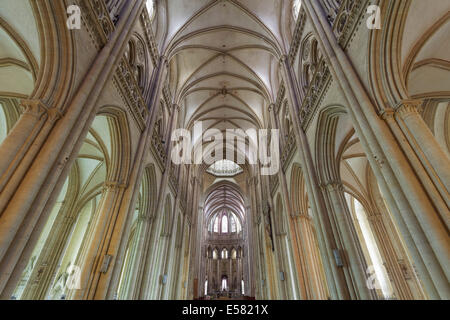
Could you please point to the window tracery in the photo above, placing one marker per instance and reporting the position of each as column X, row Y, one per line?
column 224, row 168
column 225, row 223
column 216, row 225
column 224, row 253
column 233, row 224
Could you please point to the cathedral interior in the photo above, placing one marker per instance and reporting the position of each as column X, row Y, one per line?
column 224, row 149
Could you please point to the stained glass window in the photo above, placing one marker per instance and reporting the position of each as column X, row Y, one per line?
column 216, row 225
column 224, row 254
column 233, row 224
column 224, row 224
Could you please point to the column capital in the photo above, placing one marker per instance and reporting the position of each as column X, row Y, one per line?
column 54, row 114
column 387, row 114
column 33, row 107
column 272, row 106
column 114, row 185
column 38, row 109
column 407, row 107
column 332, row 185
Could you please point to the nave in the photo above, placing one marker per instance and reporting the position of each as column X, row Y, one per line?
column 224, row 149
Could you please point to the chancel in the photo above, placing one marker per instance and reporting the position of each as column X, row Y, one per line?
column 224, row 149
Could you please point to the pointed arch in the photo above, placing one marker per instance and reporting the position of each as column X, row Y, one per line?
column 326, row 164
column 299, row 196
column 120, row 143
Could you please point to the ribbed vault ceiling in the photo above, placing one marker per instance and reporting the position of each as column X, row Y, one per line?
column 224, row 60
column 224, row 197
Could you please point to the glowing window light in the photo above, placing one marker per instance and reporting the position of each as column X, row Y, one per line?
column 150, row 4
column 224, row 168
column 216, row 225
column 224, row 254
column 233, row 224
column 296, row 8
column 224, row 284
column 224, row 224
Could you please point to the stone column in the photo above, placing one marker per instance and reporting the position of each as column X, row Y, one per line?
column 171, row 241
column 130, row 260
column 135, row 176
column 26, row 212
column 210, row 273
column 297, row 275
column 95, row 254
column 143, row 225
column 107, row 282
column 35, row 122
column 251, row 265
column 391, row 167
column 335, row 277
column 154, row 234
column 198, row 241
column 238, row 273
column 178, row 261
column 312, row 264
column 230, row 264
column 398, row 245
column 434, row 160
column 334, row 191
column 194, row 244
column 51, row 254
column 254, row 212
column 218, row 278
column 254, row 215
column 305, row 271
column 389, row 255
